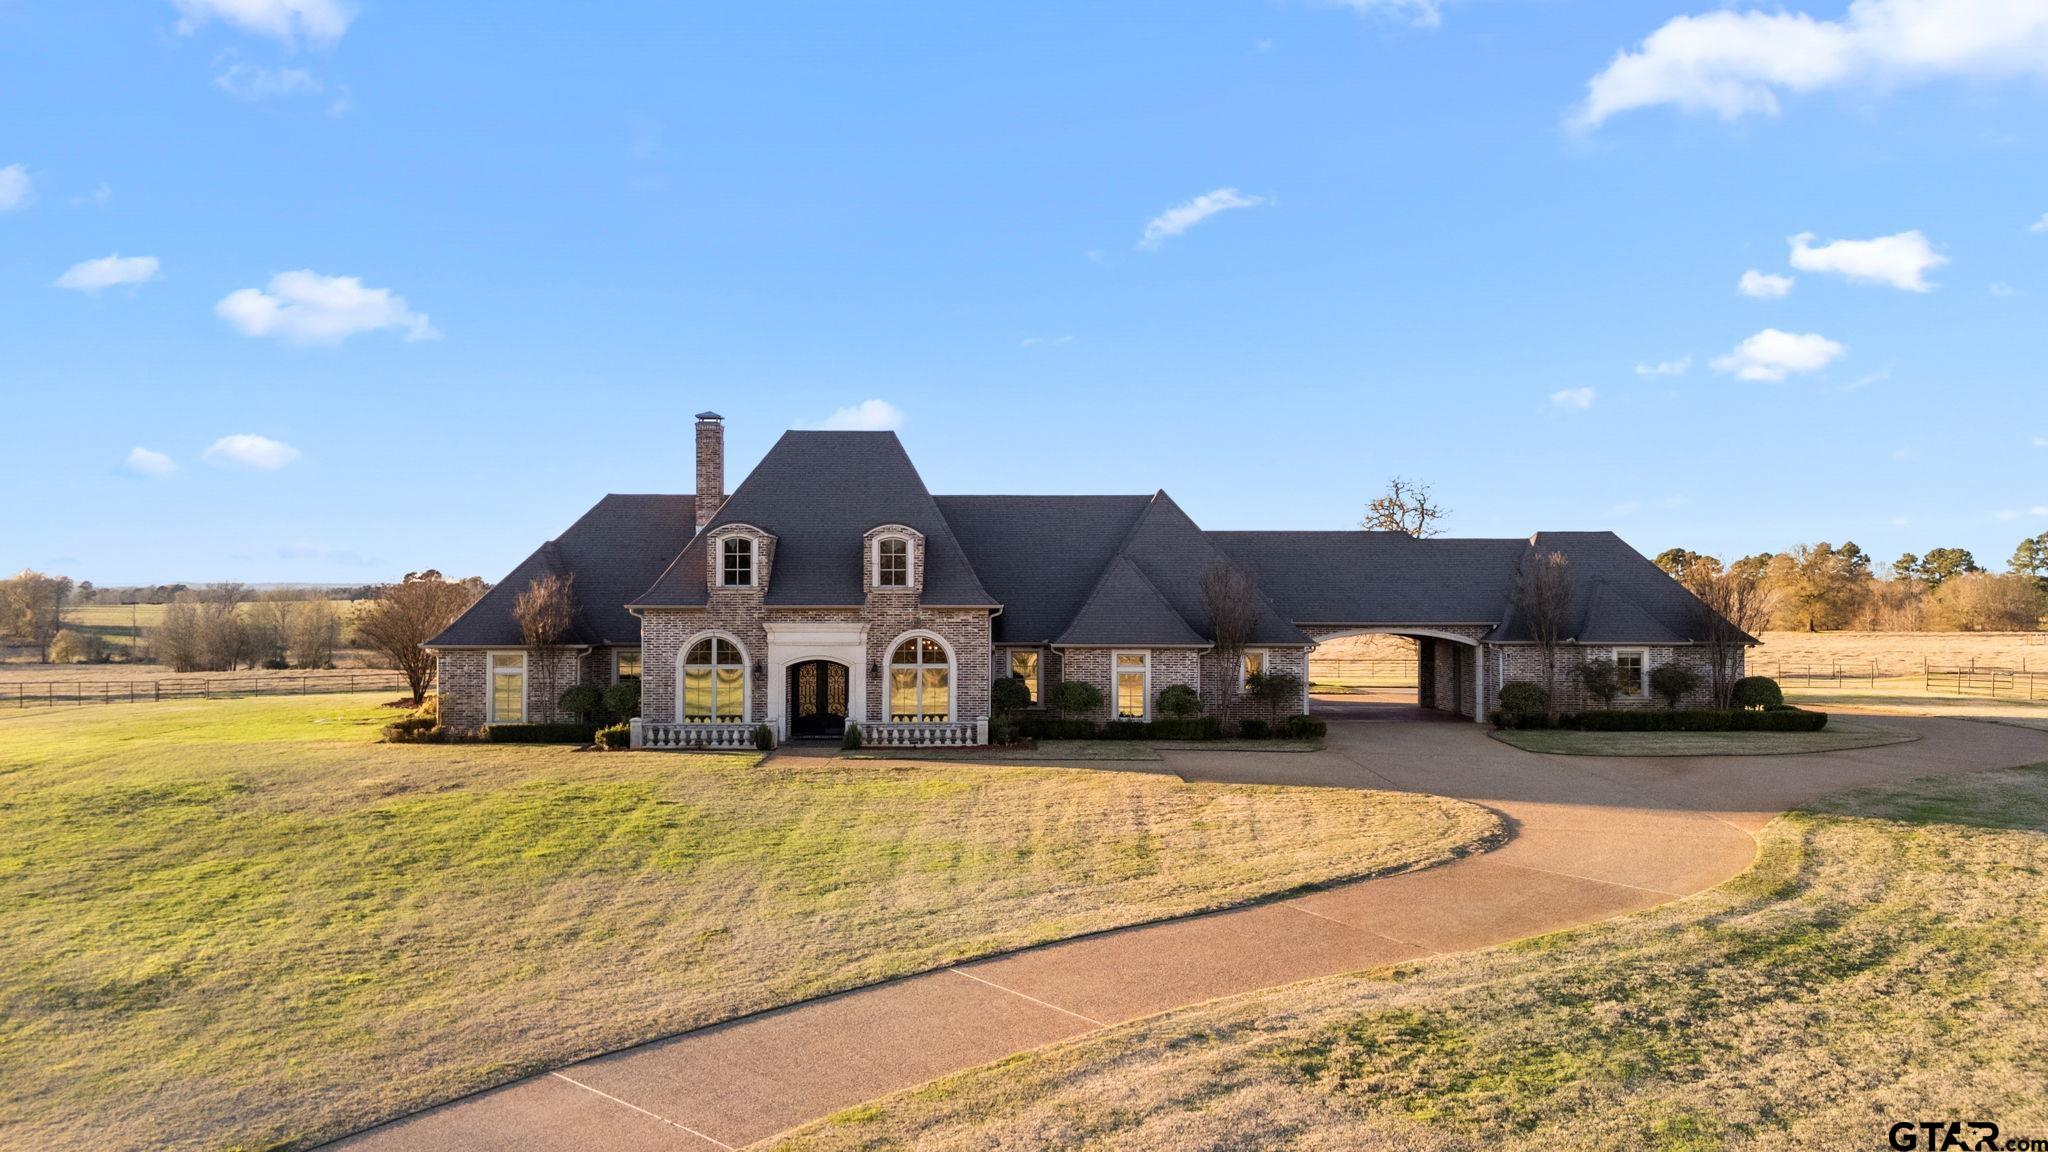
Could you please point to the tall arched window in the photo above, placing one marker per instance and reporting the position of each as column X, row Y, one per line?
column 714, row 682
column 920, row 682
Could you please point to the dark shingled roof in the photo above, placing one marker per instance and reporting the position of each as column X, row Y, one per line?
column 1040, row 555
column 1124, row 608
column 818, row 493
column 612, row 551
column 1618, row 595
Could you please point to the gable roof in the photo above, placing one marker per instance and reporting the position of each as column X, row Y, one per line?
column 611, row 551
column 1618, row 595
column 1174, row 555
column 818, row 493
column 1040, row 555
column 1125, row 609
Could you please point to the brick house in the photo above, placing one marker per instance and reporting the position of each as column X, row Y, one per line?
column 833, row 587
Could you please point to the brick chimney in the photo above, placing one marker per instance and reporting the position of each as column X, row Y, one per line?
column 710, row 466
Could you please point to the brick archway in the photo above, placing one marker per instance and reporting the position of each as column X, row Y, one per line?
column 1451, row 661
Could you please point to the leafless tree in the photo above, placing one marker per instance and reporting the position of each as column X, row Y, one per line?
column 225, row 637
column 315, row 633
column 1405, row 507
column 1542, row 604
column 545, row 612
column 1232, row 599
column 176, row 638
column 405, row 615
column 1732, row 603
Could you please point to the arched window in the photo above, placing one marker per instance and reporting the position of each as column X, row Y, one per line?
column 892, row 562
column 920, row 682
column 714, row 682
column 736, row 562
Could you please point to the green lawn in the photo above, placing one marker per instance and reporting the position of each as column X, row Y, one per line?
column 244, row 923
column 1839, row 734
column 1885, row 959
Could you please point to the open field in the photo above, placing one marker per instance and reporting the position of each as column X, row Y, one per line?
column 1897, row 654
column 125, row 627
column 246, row 924
column 1838, row 735
column 1885, row 959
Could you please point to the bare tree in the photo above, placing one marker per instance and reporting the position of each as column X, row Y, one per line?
column 225, row 637
column 1542, row 604
column 315, row 633
column 176, row 638
column 32, row 608
column 1232, row 599
column 1732, row 603
column 1405, row 507
column 545, row 612
column 405, row 615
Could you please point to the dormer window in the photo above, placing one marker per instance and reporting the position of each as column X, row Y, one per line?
column 892, row 562
column 736, row 562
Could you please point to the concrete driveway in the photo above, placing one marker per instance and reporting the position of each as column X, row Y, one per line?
column 1591, row 838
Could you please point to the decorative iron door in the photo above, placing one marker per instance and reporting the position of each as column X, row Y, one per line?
column 817, row 698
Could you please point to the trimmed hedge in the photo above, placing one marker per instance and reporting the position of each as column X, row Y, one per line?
column 1252, row 730
column 1043, row 726
column 1757, row 692
column 1690, row 720
column 1521, row 698
column 615, row 738
column 540, row 733
column 1303, row 727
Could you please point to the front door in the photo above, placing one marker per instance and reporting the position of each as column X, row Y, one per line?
column 817, row 698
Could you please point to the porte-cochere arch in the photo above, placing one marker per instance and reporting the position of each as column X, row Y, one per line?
column 1451, row 661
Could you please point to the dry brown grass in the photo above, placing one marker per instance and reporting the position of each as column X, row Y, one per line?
column 1885, row 959
column 1898, row 653
column 243, row 923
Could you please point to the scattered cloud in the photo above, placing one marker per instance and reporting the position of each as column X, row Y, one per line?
column 253, row 82
column 2041, row 441
column 99, row 197
column 146, row 462
column 1773, row 355
column 1901, row 260
column 1181, row 217
column 1999, row 288
column 317, row 22
column 1764, row 285
column 90, row 276
column 1045, row 341
column 1902, row 453
column 1869, row 378
column 1421, row 13
column 1574, row 399
column 2040, row 225
column 1734, row 63
column 17, row 188
column 866, row 416
column 2016, row 513
column 245, row 450
column 1678, row 367
column 304, row 307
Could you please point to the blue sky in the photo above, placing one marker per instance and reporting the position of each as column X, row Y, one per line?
column 398, row 287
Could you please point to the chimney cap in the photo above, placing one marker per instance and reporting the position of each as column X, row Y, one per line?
column 709, row 416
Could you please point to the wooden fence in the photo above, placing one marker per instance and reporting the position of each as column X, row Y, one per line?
column 1362, row 673
column 2000, row 683
column 60, row 693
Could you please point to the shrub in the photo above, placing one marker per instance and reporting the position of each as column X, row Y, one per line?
column 850, row 741
column 1303, row 727
column 622, row 700
column 1039, row 726
column 1757, row 692
column 1126, row 730
column 74, row 647
column 1009, row 694
column 764, row 738
column 1075, row 696
column 582, row 701
column 1689, row 720
column 1251, row 729
column 1520, row 699
column 1276, row 690
column 1671, row 682
column 1002, row 730
column 540, row 733
column 414, row 729
column 1602, row 682
column 1177, row 700
column 1187, row 728
column 615, row 737
column 276, row 664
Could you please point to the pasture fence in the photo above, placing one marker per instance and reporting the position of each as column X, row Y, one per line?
column 65, row 693
column 1362, row 673
column 1807, row 674
column 2022, row 683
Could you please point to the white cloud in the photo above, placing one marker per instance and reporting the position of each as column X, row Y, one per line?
column 90, row 276
column 1181, row 217
column 2014, row 514
column 99, row 197
column 1901, row 260
column 17, row 188
column 244, row 450
column 253, row 82
column 315, row 21
column 1999, row 288
column 2041, row 441
column 149, row 463
column 1774, row 355
column 2040, row 225
column 1764, row 285
column 1045, row 341
column 866, row 416
column 1421, row 13
column 1736, row 63
column 1574, row 399
column 1678, row 367
column 305, row 307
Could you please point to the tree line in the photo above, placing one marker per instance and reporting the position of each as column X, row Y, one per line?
column 1825, row 587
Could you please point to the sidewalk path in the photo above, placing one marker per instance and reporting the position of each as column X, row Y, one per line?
column 1591, row 838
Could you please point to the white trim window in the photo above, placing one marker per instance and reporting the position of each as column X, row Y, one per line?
column 920, row 682
column 1024, row 666
column 625, row 665
column 1253, row 664
column 1131, row 685
column 713, row 686
column 736, row 562
column 1632, row 671
column 892, row 562
column 505, row 700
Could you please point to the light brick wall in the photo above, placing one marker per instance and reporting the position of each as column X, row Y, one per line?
column 459, row 680
column 1095, row 666
column 464, row 684
column 1525, row 662
column 891, row 615
column 1293, row 660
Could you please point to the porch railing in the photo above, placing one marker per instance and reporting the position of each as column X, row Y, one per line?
column 708, row 735
column 949, row 734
